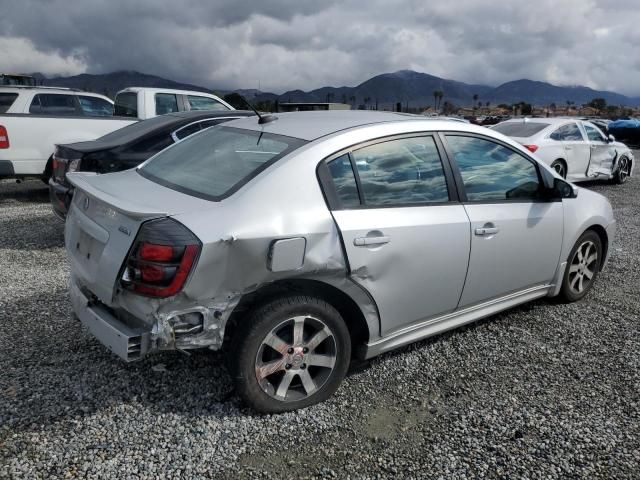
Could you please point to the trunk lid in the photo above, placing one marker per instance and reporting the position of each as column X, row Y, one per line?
column 103, row 221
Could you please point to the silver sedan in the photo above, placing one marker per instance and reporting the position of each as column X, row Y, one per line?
column 298, row 242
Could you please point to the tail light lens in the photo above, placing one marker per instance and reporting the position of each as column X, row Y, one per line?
column 4, row 137
column 531, row 148
column 162, row 257
column 65, row 160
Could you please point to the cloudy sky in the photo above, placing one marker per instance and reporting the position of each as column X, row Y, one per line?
column 287, row 44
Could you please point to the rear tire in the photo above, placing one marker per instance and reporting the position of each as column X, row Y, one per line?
column 560, row 167
column 583, row 266
column 290, row 353
column 622, row 174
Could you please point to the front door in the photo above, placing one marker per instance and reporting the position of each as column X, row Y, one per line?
column 602, row 154
column 406, row 240
column 516, row 235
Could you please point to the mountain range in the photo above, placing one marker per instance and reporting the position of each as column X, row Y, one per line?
column 410, row 88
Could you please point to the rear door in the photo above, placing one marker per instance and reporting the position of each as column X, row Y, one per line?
column 516, row 235
column 405, row 234
column 577, row 150
column 602, row 154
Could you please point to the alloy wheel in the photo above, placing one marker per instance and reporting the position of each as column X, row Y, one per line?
column 624, row 169
column 583, row 267
column 296, row 358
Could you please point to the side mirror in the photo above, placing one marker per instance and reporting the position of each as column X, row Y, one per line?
column 562, row 189
column 611, row 138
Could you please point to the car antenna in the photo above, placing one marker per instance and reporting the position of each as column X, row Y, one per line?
column 262, row 118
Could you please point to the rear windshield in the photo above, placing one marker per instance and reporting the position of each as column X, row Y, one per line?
column 218, row 161
column 518, row 129
column 6, row 100
column 126, row 105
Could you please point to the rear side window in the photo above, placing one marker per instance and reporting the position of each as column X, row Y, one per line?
column 184, row 132
column 493, row 172
column 6, row 100
column 569, row 132
column 126, row 104
column 53, row 104
column 520, row 129
column 166, row 103
column 218, row 161
column 401, row 172
column 197, row 102
column 344, row 181
column 95, row 106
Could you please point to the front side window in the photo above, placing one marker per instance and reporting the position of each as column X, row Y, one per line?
column 166, row 103
column 594, row 134
column 568, row 133
column 53, row 104
column 6, row 100
column 95, row 106
column 197, row 102
column 218, row 161
column 401, row 172
column 344, row 181
column 493, row 172
column 126, row 104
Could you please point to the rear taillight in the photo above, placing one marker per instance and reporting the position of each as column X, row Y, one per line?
column 531, row 148
column 4, row 137
column 163, row 255
column 64, row 161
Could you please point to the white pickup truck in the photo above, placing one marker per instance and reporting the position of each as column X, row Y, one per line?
column 34, row 119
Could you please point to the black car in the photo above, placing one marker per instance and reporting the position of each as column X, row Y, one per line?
column 126, row 148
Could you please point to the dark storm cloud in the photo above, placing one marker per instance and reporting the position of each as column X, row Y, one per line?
column 286, row 44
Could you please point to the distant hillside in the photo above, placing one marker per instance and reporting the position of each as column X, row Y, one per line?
column 541, row 93
column 405, row 86
column 110, row 83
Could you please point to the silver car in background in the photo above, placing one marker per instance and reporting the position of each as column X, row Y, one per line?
column 298, row 243
column 576, row 149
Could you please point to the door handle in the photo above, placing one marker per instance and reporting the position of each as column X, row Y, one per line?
column 486, row 231
column 367, row 241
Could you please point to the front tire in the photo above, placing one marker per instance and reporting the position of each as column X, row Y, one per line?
column 583, row 267
column 291, row 353
column 624, row 169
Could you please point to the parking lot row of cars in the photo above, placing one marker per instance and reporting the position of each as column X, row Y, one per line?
column 300, row 241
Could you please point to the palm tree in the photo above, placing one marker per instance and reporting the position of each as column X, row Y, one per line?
column 475, row 100
column 435, row 99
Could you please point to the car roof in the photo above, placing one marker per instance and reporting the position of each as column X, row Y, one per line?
column 166, row 90
column 136, row 130
column 311, row 125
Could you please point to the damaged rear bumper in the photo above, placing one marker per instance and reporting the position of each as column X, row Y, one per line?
column 128, row 343
column 176, row 325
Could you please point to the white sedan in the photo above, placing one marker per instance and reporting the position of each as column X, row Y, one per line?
column 576, row 149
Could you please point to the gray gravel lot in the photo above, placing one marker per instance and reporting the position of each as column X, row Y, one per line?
column 542, row 391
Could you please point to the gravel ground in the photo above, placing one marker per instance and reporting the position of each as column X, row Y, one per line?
column 542, row 391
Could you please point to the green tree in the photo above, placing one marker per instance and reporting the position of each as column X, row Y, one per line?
column 599, row 104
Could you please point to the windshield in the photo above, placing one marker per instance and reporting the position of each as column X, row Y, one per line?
column 218, row 161
column 520, row 129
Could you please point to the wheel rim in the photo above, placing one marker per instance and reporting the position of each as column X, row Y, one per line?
column 624, row 169
column 583, row 267
column 559, row 168
column 296, row 358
